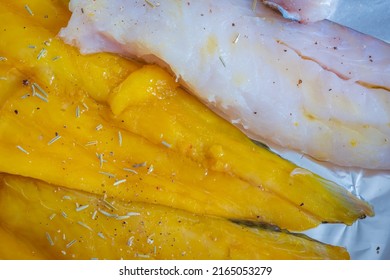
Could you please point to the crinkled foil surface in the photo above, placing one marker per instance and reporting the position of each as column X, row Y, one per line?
column 367, row 16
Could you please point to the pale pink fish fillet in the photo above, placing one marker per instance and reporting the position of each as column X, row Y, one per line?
column 304, row 10
column 318, row 88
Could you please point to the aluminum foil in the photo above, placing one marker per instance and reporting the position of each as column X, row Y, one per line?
column 367, row 16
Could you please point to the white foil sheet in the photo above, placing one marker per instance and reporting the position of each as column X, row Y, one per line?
column 367, row 16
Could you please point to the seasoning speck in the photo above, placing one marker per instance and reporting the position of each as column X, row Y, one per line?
column 236, row 39
column 109, row 175
column 119, row 182
column 41, row 97
column 130, row 170
column 54, row 139
column 48, row 237
column 133, row 214
column 22, row 149
column 82, row 207
column 130, row 241
column 105, row 213
column 166, row 144
column 94, row 215
column 120, row 138
column 42, row 53
column 222, row 61
column 78, row 111
column 150, row 4
column 84, row 225
column 71, row 243
column 144, row 256
column 150, row 169
column 57, row 57
column 91, row 143
column 38, row 87
column 28, row 9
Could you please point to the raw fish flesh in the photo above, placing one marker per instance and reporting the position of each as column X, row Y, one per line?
column 319, row 88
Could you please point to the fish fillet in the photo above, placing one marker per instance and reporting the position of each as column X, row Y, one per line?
column 319, row 88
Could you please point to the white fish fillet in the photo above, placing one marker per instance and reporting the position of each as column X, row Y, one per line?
column 304, row 10
column 318, row 88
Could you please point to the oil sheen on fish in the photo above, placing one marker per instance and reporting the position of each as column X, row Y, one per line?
column 318, row 88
